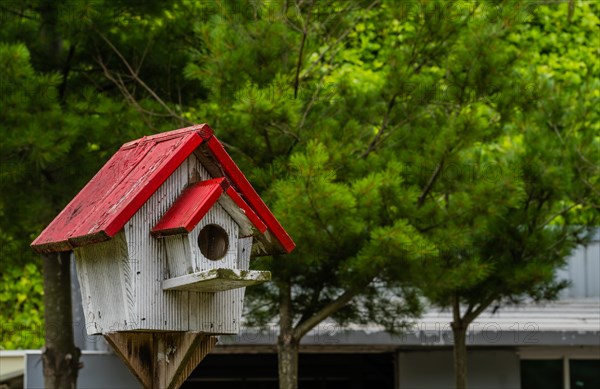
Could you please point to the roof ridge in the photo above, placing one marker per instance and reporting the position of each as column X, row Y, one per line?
column 203, row 130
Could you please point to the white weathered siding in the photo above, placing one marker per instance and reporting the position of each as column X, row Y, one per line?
column 216, row 215
column 156, row 309
column 179, row 256
column 244, row 250
column 221, row 312
column 105, row 277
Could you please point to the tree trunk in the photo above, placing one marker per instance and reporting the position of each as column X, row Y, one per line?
column 50, row 39
column 60, row 357
column 287, row 354
column 460, row 355
column 287, row 344
column 459, row 331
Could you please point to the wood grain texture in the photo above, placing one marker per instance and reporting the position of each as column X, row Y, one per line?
column 155, row 309
column 179, row 255
column 249, row 222
column 154, row 260
column 205, row 346
column 122, row 278
column 244, row 252
column 104, row 275
column 137, row 350
column 161, row 360
column 116, row 192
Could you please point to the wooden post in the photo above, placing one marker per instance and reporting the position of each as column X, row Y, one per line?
column 60, row 357
column 161, row 360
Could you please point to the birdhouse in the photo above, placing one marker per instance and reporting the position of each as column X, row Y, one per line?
column 163, row 235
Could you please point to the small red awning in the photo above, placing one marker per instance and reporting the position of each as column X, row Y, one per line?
column 193, row 204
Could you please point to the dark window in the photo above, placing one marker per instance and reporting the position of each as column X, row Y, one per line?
column 584, row 373
column 542, row 374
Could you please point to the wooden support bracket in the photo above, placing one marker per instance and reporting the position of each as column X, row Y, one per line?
column 161, row 359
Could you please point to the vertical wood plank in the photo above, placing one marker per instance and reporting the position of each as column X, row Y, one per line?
column 161, row 359
column 244, row 251
column 156, row 310
column 104, row 281
column 136, row 349
column 86, row 298
column 202, row 346
column 179, row 257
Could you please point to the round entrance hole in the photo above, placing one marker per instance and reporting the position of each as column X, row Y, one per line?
column 213, row 241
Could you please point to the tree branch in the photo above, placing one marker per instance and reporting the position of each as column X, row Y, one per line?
column 318, row 216
column 384, row 124
column 65, row 74
column 303, row 327
column 126, row 94
column 430, row 183
column 456, row 307
column 20, row 14
column 312, row 304
column 472, row 314
column 134, row 75
column 299, row 64
column 557, row 214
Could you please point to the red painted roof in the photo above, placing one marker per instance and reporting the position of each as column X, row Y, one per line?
column 249, row 212
column 128, row 180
